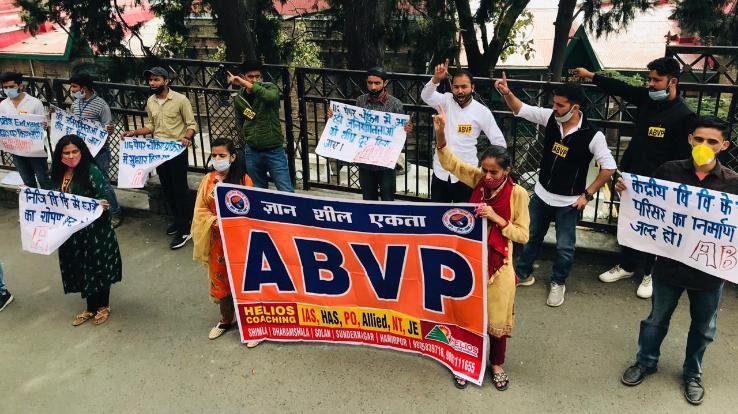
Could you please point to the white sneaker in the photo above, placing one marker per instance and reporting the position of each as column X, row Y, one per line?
column 645, row 289
column 615, row 274
column 556, row 295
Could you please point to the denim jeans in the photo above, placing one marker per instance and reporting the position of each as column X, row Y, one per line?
column 703, row 309
column 32, row 169
column 102, row 159
column 377, row 183
column 273, row 161
column 565, row 218
column 3, row 288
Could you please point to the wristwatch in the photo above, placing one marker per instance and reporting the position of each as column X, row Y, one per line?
column 588, row 196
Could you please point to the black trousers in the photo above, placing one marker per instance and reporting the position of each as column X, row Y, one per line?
column 98, row 300
column 377, row 183
column 173, row 177
column 633, row 260
column 446, row 192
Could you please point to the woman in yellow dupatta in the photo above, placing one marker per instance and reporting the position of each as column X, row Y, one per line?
column 208, row 247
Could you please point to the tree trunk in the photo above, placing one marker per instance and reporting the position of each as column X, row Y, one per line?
column 564, row 19
column 364, row 31
column 235, row 20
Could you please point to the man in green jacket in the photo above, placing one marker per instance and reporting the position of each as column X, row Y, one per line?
column 257, row 111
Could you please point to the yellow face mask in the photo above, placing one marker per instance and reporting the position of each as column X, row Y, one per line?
column 702, row 155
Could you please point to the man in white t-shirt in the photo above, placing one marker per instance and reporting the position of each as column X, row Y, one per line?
column 561, row 192
column 465, row 120
column 34, row 170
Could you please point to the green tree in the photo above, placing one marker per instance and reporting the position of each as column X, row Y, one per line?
column 714, row 21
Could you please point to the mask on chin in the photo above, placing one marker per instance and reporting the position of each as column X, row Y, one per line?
column 566, row 117
column 375, row 94
column 157, row 91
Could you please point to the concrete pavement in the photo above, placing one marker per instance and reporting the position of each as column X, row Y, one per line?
column 153, row 355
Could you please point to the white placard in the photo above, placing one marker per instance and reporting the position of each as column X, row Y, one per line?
column 361, row 135
column 93, row 133
column 23, row 135
column 139, row 156
column 692, row 225
column 49, row 218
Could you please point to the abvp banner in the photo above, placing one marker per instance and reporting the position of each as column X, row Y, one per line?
column 317, row 269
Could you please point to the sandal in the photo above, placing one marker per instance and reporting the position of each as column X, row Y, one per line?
column 219, row 330
column 500, row 380
column 459, row 382
column 82, row 318
column 102, row 315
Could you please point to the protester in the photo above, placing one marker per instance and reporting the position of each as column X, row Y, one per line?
column 570, row 142
column 170, row 117
column 660, row 135
column 208, row 247
column 376, row 181
column 90, row 259
column 257, row 113
column 5, row 296
column 34, row 170
column 505, row 205
column 88, row 105
column 465, row 120
column 671, row 278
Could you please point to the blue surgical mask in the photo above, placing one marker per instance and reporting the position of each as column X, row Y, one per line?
column 659, row 95
column 221, row 165
column 78, row 95
column 11, row 93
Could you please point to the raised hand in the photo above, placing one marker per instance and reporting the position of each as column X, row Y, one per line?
column 441, row 72
column 583, row 73
column 501, row 85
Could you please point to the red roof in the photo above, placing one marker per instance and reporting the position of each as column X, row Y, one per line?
column 299, row 7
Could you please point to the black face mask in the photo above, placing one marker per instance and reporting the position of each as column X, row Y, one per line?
column 157, row 91
column 375, row 94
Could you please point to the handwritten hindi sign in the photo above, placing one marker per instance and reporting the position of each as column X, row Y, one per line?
column 22, row 135
column 405, row 276
column 93, row 133
column 692, row 225
column 139, row 156
column 361, row 135
column 49, row 218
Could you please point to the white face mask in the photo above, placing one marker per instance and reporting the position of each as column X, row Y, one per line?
column 566, row 117
column 78, row 95
column 221, row 165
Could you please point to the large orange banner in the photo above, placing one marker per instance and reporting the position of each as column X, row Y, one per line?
column 406, row 276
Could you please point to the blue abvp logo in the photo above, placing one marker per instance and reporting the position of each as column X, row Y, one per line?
column 458, row 221
column 237, row 202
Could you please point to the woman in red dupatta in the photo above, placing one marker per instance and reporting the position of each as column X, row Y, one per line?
column 505, row 205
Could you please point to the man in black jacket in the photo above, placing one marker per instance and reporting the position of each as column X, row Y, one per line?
column 663, row 122
column 672, row 278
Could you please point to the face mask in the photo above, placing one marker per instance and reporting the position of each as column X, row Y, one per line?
column 78, row 95
column 658, row 95
column 71, row 162
column 157, row 91
column 221, row 165
column 494, row 183
column 462, row 100
column 566, row 117
column 11, row 93
column 702, row 155
column 375, row 94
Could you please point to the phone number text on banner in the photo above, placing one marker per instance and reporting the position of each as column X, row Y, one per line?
column 692, row 225
column 317, row 269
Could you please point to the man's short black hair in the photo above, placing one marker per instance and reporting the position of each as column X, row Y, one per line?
column 571, row 91
column 463, row 72
column 11, row 77
column 378, row 72
column 82, row 79
column 665, row 67
column 709, row 121
column 251, row 65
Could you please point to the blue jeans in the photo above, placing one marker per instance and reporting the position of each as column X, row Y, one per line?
column 32, row 169
column 273, row 161
column 102, row 159
column 3, row 288
column 565, row 218
column 703, row 308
